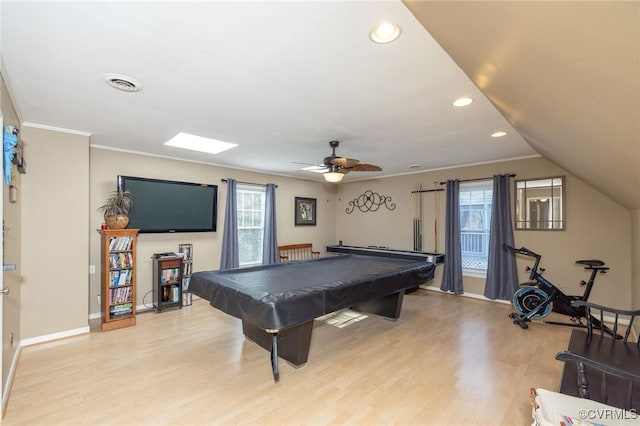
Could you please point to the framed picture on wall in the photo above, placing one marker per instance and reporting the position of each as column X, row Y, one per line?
column 305, row 211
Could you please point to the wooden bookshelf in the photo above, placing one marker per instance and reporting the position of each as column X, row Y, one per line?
column 167, row 281
column 118, row 278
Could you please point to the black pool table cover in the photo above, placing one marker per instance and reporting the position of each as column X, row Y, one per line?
column 274, row 297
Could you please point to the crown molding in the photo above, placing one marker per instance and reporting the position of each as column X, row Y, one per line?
column 57, row 129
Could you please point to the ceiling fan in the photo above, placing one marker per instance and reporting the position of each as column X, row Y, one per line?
column 337, row 167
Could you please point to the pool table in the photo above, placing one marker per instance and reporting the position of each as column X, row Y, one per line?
column 278, row 303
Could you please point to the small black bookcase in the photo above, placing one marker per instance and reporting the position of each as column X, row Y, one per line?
column 167, row 281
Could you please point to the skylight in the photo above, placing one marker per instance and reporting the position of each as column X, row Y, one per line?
column 199, row 143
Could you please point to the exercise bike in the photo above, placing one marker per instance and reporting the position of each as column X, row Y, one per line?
column 537, row 299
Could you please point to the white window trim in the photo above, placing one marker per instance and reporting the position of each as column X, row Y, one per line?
column 251, row 188
column 475, row 273
column 471, row 186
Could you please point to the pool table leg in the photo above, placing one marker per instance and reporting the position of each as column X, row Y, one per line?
column 388, row 307
column 274, row 357
column 291, row 343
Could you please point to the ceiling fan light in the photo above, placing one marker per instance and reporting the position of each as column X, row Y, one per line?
column 333, row 175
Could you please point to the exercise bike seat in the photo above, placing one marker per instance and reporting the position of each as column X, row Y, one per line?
column 590, row 262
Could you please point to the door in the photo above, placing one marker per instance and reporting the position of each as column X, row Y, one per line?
column 2, row 292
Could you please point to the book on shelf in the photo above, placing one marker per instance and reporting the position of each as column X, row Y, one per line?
column 121, row 260
column 124, row 277
column 175, row 293
column 170, row 275
column 122, row 309
column 120, row 243
column 120, row 277
column 119, row 295
column 186, row 250
column 186, row 299
column 187, row 268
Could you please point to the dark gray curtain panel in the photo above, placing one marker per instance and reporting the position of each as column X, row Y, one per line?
column 502, row 274
column 452, row 273
column 230, row 256
column 270, row 239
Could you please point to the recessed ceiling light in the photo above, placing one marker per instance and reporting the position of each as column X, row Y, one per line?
column 122, row 82
column 498, row 134
column 385, row 32
column 198, row 143
column 460, row 102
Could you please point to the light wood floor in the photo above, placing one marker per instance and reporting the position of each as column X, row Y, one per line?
column 448, row 360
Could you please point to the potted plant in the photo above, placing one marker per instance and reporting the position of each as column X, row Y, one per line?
column 116, row 209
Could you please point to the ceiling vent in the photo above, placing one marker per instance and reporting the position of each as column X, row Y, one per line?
column 122, row 82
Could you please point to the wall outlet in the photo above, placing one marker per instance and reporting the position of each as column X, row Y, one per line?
column 92, row 269
column 98, row 300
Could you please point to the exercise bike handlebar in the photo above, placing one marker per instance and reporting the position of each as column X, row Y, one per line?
column 533, row 271
column 522, row 250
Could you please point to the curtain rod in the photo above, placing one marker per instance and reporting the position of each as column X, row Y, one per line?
column 427, row 190
column 476, row 179
column 247, row 183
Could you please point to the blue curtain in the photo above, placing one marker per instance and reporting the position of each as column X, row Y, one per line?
column 502, row 274
column 452, row 273
column 230, row 256
column 270, row 239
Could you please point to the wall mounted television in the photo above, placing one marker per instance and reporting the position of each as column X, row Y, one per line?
column 170, row 206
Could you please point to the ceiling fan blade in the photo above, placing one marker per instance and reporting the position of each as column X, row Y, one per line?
column 306, row 164
column 344, row 162
column 363, row 167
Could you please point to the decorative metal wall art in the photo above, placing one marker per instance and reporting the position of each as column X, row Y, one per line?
column 370, row 201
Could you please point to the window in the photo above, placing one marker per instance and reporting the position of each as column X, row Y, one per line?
column 475, row 224
column 250, row 223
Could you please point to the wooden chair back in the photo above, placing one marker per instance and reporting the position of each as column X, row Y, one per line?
column 604, row 320
column 603, row 363
column 303, row 251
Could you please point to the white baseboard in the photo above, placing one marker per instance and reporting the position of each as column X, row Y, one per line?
column 54, row 336
column 10, row 376
column 471, row 295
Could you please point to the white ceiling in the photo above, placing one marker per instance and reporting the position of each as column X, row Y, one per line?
column 280, row 79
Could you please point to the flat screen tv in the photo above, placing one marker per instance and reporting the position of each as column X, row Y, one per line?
column 170, row 206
